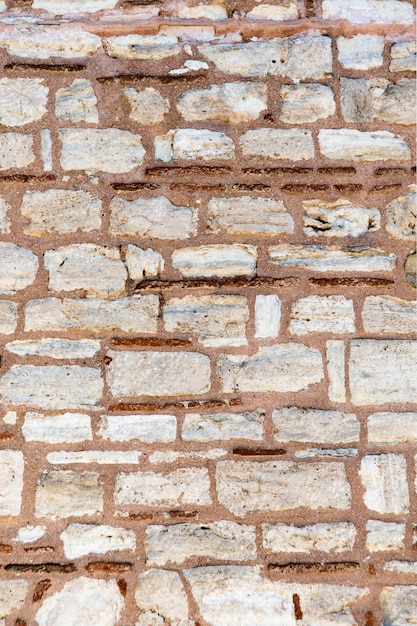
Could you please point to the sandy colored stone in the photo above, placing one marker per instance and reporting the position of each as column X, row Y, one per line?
column 339, row 219
column 65, row 493
column 77, row 102
column 215, row 11
column 382, row 371
column 267, row 316
column 355, row 145
column 399, row 605
column 42, row 42
column 315, row 425
column 142, row 263
column 152, row 218
column 4, row 219
column 306, row 103
column 60, row 7
column 401, row 567
column 172, row 456
column 190, row 144
column 285, row 10
column 97, row 270
column 46, row 150
column 278, row 143
column 136, row 314
column 22, row 100
column 384, row 536
column 392, row 428
column 60, row 211
column 367, row 11
column 16, row 150
column 11, row 480
column 187, row 485
column 55, row 348
column 319, row 258
column 385, row 483
column 146, row 48
column 52, row 387
column 223, row 426
column 8, row 317
column 323, row 537
column 298, row 58
column 403, row 55
column 410, row 269
column 61, row 428
column 99, row 457
column 109, row 150
column 335, row 358
column 216, row 260
column 215, row 320
column 244, row 487
column 12, row 595
column 150, row 373
column 220, row 541
column 328, row 314
column 146, row 428
column 18, row 268
column 81, row 539
column 147, row 106
column 402, row 215
column 83, row 601
column 384, row 315
column 161, row 595
column 248, row 216
column 360, row 52
column 229, row 102
column 279, row 368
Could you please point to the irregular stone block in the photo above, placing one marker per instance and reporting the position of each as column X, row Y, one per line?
column 387, row 315
column 81, row 539
column 315, row 425
column 60, row 211
column 335, row 355
column 332, row 537
column 77, row 103
column 11, row 480
column 12, row 595
column 354, row 145
column 99, row 457
column 267, row 316
column 146, row 106
column 18, row 268
column 221, row 541
column 55, row 348
column 146, row 48
column 143, row 264
column 137, row 314
column 401, row 567
column 382, row 371
column 285, row 11
column 384, row 480
column 27, row 534
column 410, row 269
column 22, row 100
column 328, row 314
column 60, row 7
column 384, row 536
column 153, row 218
column 229, row 102
column 216, row 320
column 46, row 149
column 223, row 426
column 403, row 57
column 108, row 150
column 187, row 485
column 216, row 260
column 52, row 386
column 97, row 270
column 245, row 487
column 402, row 215
column 161, row 595
column 399, row 604
column 248, row 216
column 378, row 98
column 201, row 11
column 360, row 52
column 391, row 428
column 339, row 219
column 8, row 317
column 190, row 143
column 4, row 220
column 279, row 368
column 64, row 493
column 42, row 42
column 63, row 428
column 16, row 150
column 158, row 373
column 367, row 11
column 321, row 258
column 278, row 143
column 146, row 428
column 306, row 103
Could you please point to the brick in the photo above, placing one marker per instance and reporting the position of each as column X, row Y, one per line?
column 314, row 425
column 190, row 144
column 147, row 106
column 403, row 57
column 384, row 536
column 22, row 100
column 99, row 457
column 12, row 595
column 335, row 355
column 321, row 258
column 55, row 348
column 246, row 487
column 248, row 216
column 61, row 428
column 306, row 103
column 367, row 11
column 402, row 215
column 354, row 145
column 339, row 219
column 82, row 539
column 216, row 260
column 8, row 317
column 399, row 604
column 278, row 143
column 223, row 426
column 386, row 315
column 16, row 150
column 361, row 52
column 60, row 7
column 324, row 537
column 143, row 264
column 385, row 483
column 42, row 42
column 392, row 428
column 65, row 493
column 328, row 314
column 146, row 428
column 160, row 595
column 281, row 12
column 77, row 103
column 11, row 472
column 267, row 316
column 154, row 48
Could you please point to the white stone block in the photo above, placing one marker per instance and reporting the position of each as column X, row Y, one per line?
column 22, row 100
column 11, row 480
column 82, row 539
column 322, row 314
column 360, row 52
column 216, row 260
column 384, row 480
column 223, row 426
column 61, row 428
column 315, row 425
column 146, row 428
column 267, row 316
column 324, row 537
column 65, row 493
column 384, row 536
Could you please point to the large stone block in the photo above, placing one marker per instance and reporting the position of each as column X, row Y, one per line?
column 11, row 480
column 367, row 11
column 42, row 42
column 339, row 219
column 61, row 428
column 77, row 103
column 321, row 258
column 294, row 144
column 392, row 428
column 146, row 428
column 355, row 145
column 399, row 605
column 12, row 595
column 81, row 539
column 325, row 314
column 22, row 100
column 190, row 144
column 160, row 594
column 384, row 315
column 16, row 150
column 323, row 537
column 65, row 493
column 146, row 106
column 384, row 479
column 306, row 103
column 223, row 426
column 315, row 425
column 216, row 260
column 146, row 48
column 18, row 268
column 248, row 216
column 361, row 52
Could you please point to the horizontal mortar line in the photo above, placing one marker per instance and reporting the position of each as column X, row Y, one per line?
column 25, row 178
column 164, row 79
column 318, row 568
column 64, row 568
column 48, row 67
column 236, row 282
column 164, row 406
column 350, row 282
column 259, row 451
column 174, row 342
column 161, row 515
column 109, row 566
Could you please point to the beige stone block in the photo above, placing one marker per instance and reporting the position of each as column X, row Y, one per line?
column 12, row 595
column 324, row 537
column 403, row 55
column 98, row 457
column 223, row 426
column 220, row 260
column 77, row 102
column 22, row 100
column 142, row 264
column 339, row 219
column 355, row 145
column 328, row 314
column 16, row 150
column 147, row 106
column 315, row 425
column 145, row 428
column 146, row 48
column 306, row 103
column 42, row 42
column 82, row 539
column 281, row 12
column 248, row 216
column 336, row 371
column 61, row 428
column 160, row 594
column 392, row 428
column 384, row 536
column 368, row 11
column 8, row 317
column 387, row 315
column 191, row 143
column 295, row 144
column 65, row 493
column 402, row 215
column 384, row 480
column 60, row 7
column 399, row 604
column 319, row 258
column 360, row 52
column 18, row 268
column 204, row 11
column 4, row 219
column 55, row 348
column 11, row 480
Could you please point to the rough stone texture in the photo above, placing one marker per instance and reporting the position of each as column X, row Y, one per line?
column 267, row 316
column 11, row 474
column 8, row 317
column 190, row 144
column 65, row 493
column 366, row 11
column 223, row 426
column 161, row 595
column 4, row 219
column 399, row 605
column 329, row 314
column 339, row 219
column 16, row 150
column 40, row 42
column 403, row 57
column 61, row 7
column 145, row 428
column 384, row 480
column 391, row 428
column 319, row 258
column 216, row 260
column 361, row 52
column 61, row 428
column 306, row 103
column 315, row 425
column 355, row 145
column 244, row 487
column 18, row 268
column 332, row 537
column 335, row 354
column 12, row 595
column 248, row 216
column 278, row 143
column 386, row 315
column 384, row 536
column 55, row 348
column 410, row 269
column 153, row 48
column 99, row 457
column 174, row 457
column 287, row 10
column 143, row 264
column 402, row 215
column 77, row 103
column 81, row 539
column 146, row 106
column 22, row 100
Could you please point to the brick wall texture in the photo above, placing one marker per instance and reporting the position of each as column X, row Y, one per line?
column 207, row 313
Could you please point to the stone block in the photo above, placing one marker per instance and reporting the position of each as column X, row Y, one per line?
column 248, row 216
column 18, row 268
column 82, row 539
column 220, row 260
column 145, row 428
column 315, row 425
column 22, row 100
column 42, row 42
column 55, row 348
column 368, row 11
column 306, row 103
column 403, row 57
column 384, row 480
column 190, row 144
column 223, row 426
column 360, row 52
column 319, row 258
column 323, row 537
column 339, row 219
column 355, row 145
column 146, row 48
column 399, row 604
column 402, row 215
column 61, row 428
column 60, row 7
column 143, row 264
column 160, row 594
column 8, row 317
column 295, row 144
column 65, row 493
column 322, row 314
column 12, row 595
column 392, row 428
column 77, row 103
column 384, row 315
column 16, row 150
column 267, row 316
column 147, row 106
column 384, row 536
column 11, row 480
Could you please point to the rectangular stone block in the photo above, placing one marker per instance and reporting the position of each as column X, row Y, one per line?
column 392, row 428
column 385, row 315
column 42, row 42
column 248, row 216
column 384, row 479
column 62, row 428
column 8, row 317
column 295, row 144
column 12, row 596
column 399, row 602
column 146, row 48
column 99, row 457
column 267, row 316
column 321, row 258
column 22, row 100
column 339, row 219
column 146, row 428
column 16, row 149
column 383, row 536
column 368, row 11
column 55, row 348
column 216, row 260
column 323, row 537
column 77, row 102
column 81, row 539
column 191, row 143
column 315, row 425
column 336, row 371
column 360, row 52
column 65, row 493
column 403, row 57
column 325, row 314
column 354, row 145
column 18, row 268
column 306, row 103
column 11, row 480
column 223, row 426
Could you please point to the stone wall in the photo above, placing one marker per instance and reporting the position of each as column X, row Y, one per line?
column 207, row 277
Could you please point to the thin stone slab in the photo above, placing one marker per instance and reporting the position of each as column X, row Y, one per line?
column 354, row 145
column 216, row 260
column 323, row 537
column 42, row 42
column 319, row 258
column 315, row 425
column 223, row 426
column 11, row 480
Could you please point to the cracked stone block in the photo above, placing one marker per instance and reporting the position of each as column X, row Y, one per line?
column 77, row 102
column 339, row 219
column 142, row 264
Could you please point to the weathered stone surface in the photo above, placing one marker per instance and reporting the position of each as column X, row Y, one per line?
column 278, row 143
column 62, row 428
column 16, row 150
column 410, row 269
column 108, row 150
column 42, row 42
column 354, row 145
column 158, row 373
column 356, row 100
column 161, row 594
column 306, row 103
column 386, row 315
column 339, row 219
column 146, row 106
column 8, row 317
column 60, row 211
column 245, row 487
column 60, row 7
column 55, row 348
column 4, row 220
column 298, row 58
column 201, row 11
column 11, row 480
column 326, row 453
column 137, row 314
column 12, row 595
column 378, row 98
column 328, row 314
column 321, row 258
column 229, row 102
column 335, row 356
column 314, row 425
column 223, row 426
column 382, row 536
column 286, row 10
column 77, row 103
column 81, row 539
column 188, row 485
column 172, row 456
column 97, row 270
column 366, row 11
column 52, row 387
column 387, row 428
column 99, row 457
column 190, row 144
column 402, row 215
column 146, row 428
column 82, row 602
column 154, row 218
column 403, row 57
column 18, row 268
column 267, row 316
column 217, row 540
column 216, row 320
column 153, row 48
column 401, row 567
column 65, row 493
column 399, row 605
column 332, row 537
column 216, row 260
column 385, row 482
column 360, row 52
column 279, row 368
column 143, row 264
column 46, row 150
column 28, row 534
column 22, row 100
column 248, row 216
column 382, row 371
